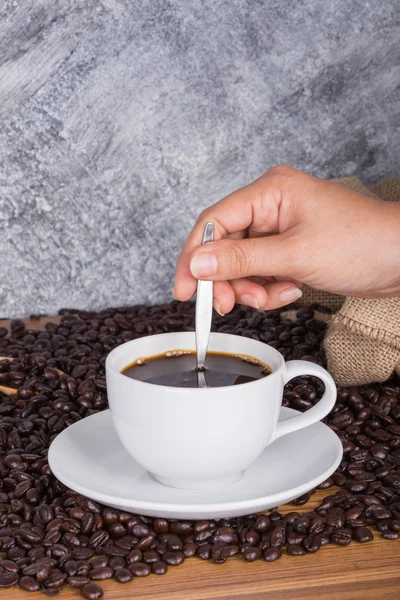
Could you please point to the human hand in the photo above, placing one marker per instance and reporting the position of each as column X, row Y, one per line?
column 286, row 229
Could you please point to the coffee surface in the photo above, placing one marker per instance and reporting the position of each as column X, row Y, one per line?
column 177, row 368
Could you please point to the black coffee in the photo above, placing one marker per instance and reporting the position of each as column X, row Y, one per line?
column 177, row 368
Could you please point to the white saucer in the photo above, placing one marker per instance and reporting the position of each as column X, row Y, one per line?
column 89, row 459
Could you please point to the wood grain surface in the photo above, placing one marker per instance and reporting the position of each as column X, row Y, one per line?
column 368, row 571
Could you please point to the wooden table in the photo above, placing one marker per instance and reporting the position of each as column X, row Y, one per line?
column 356, row 572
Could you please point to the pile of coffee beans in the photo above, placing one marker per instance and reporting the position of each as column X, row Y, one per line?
column 51, row 537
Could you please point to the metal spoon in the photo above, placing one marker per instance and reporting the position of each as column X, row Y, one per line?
column 204, row 305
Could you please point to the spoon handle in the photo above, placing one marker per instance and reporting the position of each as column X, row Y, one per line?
column 204, row 305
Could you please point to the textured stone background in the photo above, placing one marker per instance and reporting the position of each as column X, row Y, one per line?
column 121, row 120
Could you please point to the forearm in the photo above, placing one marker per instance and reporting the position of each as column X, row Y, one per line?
column 388, row 251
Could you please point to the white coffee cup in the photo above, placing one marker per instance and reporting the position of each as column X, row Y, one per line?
column 203, row 438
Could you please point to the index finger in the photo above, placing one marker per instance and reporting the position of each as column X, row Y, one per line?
column 249, row 206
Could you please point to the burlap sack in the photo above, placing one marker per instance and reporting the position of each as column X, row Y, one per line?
column 363, row 339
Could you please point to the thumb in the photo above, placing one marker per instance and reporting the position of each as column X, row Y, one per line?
column 233, row 259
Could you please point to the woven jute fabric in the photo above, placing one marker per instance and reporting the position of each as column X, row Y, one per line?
column 355, row 358
column 363, row 339
column 387, row 190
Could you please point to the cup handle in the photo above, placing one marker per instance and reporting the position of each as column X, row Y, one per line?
column 294, row 368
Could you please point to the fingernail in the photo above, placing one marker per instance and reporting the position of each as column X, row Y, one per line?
column 290, row 295
column 250, row 300
column 204, row 265
column 217, row 307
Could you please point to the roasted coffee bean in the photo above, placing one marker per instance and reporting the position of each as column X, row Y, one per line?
column 265, row 544
column 189, row 549
column 83, row 553
column 77, row 582
column 83, row 568
column 70, row 567
column 362, row 535
column 117, row 530
column 55, row 581
column 326, row 484
column 356, row 486
column 160, row 526
column 359, row 455
column 44, row 573
column 262, row 524
column 317, row 524
column 291, row 517
column 29, row 584
column 201, row 526
column 383, row 525
column 232, row 549
column 117, row 562
column 378, row 452
column 252, row 537
column 90, row 505
column 204, row 535
column 134, row 556
column 150, row 556
column 98, row 539
column 295, row 538
column 110, row 516
column 21, row 489
column 174, row 543
column 325, row 539
column 91, row 591
column 8, row 579
column 23, row 562
column 341, row 537
column 218, row 553
column 272, row 554
column 123, row 575
column 36, row 554
column 390, row 535
column 203, row 552
column 275, row 516
column 378, row 512
column 99, row 561
column 146, row 542
column 100, row 573
column 59, row 550
column 302, row 499
column 226, row 535
column 140, row 569
column 9, row 565
column 394, row 525
column 112, row 550
column 339, row 479
column 278, row 537
column 251, row 554
column 34, row 568
column 302, row 524
column 139, row 531
column 159, row 568
column 295, row 550
column 312, row 543
column 354, row 514
column 181, row 528
column 173, row 558
column 45, row 513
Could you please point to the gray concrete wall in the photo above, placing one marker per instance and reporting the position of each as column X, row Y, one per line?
column 120, row 120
